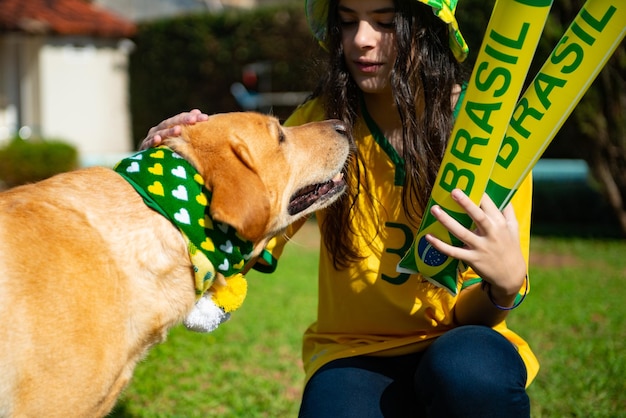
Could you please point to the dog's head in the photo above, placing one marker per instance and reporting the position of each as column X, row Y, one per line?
column 264, row 176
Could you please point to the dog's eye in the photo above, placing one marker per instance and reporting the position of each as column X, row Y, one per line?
column 281, row 136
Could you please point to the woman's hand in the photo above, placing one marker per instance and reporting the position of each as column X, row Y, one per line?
column 171, row 127
column 492, row 249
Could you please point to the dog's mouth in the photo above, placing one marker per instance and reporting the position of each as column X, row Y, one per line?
column 316, row 193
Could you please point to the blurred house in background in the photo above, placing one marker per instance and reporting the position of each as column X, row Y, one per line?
column 64, row 68
column 63, row 74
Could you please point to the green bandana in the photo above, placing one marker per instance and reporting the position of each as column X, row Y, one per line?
column 173, row 187
column 317, row 15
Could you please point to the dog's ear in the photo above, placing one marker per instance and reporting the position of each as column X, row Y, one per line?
column 239, row 197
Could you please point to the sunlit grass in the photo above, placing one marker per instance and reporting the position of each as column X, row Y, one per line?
column 250, row 366
column 574, row 318
column 576, row 323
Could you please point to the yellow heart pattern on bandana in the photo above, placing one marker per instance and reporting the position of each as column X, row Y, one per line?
column 201, row 199
column 156, row 188
column 173, row 187
column 156, row 169
column 207, row 245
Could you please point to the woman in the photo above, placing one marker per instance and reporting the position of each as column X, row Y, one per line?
column 387, row 343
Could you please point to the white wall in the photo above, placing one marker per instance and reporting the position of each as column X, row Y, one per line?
column 84, row 95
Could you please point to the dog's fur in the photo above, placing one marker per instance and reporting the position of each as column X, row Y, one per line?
column 91, row 278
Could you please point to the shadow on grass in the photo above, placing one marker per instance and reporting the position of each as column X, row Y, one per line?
column 121, row 411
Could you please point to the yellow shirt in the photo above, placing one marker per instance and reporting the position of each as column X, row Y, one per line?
column 370, row 308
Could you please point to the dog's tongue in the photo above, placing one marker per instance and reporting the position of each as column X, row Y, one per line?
column 305, row 197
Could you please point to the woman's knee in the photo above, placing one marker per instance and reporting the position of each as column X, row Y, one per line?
column 343, row 388
column 470, row 366
column 363, row 387
column 475, row 353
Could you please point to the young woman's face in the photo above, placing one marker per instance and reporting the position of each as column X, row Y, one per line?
column 368, row 40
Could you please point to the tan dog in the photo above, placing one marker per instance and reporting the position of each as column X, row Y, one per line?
column 91, row 277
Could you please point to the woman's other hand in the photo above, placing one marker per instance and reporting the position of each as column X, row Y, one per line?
column 171, row 127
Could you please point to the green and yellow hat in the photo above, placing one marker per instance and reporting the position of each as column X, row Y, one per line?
column 317, row 13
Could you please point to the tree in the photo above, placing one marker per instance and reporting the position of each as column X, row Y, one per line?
column 600, row 120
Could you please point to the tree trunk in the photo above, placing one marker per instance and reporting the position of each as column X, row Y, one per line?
column 601, row 119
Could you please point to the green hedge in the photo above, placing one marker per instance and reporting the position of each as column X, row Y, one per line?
column 30, row 161
column 191, row 61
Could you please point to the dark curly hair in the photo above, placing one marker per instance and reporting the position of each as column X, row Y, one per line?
column 422, row 80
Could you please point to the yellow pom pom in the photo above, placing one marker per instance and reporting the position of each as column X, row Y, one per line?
column 231, row 296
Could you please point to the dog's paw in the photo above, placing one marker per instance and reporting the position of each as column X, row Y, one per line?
column 205, row 316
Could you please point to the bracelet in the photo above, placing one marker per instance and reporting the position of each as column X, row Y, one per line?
column 518, row 299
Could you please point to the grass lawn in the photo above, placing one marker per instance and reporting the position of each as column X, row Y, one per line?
column 574, row 318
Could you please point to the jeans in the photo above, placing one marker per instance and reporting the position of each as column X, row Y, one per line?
column 470, row 371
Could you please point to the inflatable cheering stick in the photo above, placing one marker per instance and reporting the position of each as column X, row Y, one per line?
column 574, row 64
column 505, row 55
